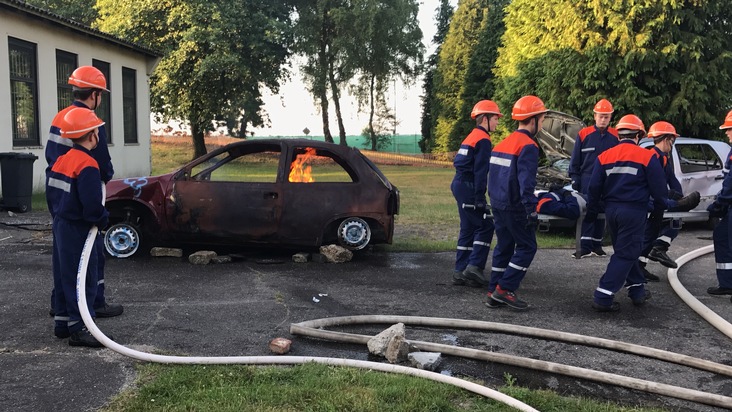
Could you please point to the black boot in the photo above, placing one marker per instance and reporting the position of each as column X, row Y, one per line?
column 658, row 254
column 650, row 277
column 84, row 338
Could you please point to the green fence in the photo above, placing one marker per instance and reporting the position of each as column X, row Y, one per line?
column 401, row 143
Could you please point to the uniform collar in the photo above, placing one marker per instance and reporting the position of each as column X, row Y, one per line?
column 82, row 148
column 526, row 132
column 628, row 141
column 80, row 104
column 483, row 129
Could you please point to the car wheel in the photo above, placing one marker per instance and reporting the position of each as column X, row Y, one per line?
column 354, row 233
column 122, row 240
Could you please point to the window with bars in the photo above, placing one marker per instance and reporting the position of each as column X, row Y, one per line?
column 104, row 111
column 129, row 104
column 23, row 92
column 66, row 63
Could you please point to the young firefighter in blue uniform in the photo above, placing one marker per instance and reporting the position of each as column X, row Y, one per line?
column 590, row 143
column 75, row 192
column 472, row 163
column 623, row 179
column 723, row 232
column 514, row 163
column 658, row 237
column 87, row 83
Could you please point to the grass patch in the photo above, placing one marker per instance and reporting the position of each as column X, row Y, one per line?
column 313, row 387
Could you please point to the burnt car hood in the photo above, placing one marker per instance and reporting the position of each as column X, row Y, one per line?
column 556, row 140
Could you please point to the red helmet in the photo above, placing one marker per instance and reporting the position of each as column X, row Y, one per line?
column 727, row 122
column 527, row 107
column 485, row 107
column 662, row 128
column 604, row 107
column 88, row 77
column 79, row 121
column 631, row 122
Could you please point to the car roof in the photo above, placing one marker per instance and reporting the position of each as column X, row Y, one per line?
column 689, row 140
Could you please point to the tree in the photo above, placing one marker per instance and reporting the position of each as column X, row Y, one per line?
column 662, row 60
column 429, row 102
column 78, row 10
column 217, row 55
column 385, row 42
column 466, row 26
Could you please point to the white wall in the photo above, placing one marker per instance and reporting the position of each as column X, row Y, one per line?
column 128, row 159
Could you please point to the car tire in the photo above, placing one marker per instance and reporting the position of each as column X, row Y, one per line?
column 122, row 240
column 354, row 233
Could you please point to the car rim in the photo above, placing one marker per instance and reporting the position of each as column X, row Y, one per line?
column 122, row 240
column 354, row 233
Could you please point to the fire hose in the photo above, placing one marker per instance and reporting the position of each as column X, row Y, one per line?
column 309, row 328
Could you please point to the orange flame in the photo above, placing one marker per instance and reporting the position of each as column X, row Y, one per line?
column 300, row 171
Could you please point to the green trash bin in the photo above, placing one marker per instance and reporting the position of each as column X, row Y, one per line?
column 17, row 180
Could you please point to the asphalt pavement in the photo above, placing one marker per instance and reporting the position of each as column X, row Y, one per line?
column 235, row 309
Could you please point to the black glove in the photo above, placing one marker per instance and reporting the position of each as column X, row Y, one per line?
column 674, row 195
column 575, row 185
column 532, row 219
column 590, row 217
column 688, row 202
column 717, row 210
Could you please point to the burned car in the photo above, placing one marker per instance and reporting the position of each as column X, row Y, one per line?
column 296, row 192
column 697, row 163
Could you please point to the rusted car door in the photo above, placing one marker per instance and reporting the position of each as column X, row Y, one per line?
column 232, row 196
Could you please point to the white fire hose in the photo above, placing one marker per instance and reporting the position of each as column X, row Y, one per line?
column 309, row 329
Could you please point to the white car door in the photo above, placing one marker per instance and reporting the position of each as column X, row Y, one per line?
column 699, row 166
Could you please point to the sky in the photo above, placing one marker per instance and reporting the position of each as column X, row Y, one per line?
column 293, row 109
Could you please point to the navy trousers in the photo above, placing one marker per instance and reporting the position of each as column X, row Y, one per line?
column 99, row 301
column 592, row 233
column 658, row 236
column 476, row 233
column 515, row 249
column 627, row 227
column 723, row 250
column 68, row 242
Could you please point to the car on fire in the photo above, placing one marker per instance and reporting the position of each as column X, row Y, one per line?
column 697, row 163
column 290, row 192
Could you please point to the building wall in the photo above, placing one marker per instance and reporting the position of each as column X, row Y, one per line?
column 128, row 159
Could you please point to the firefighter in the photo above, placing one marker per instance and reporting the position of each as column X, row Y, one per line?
column 87, row 83
column 514, row 165
column 623, row 178
column 589, row 144
column 658, row 238
column 721, row 208
column 472, row 164
column 75, row 192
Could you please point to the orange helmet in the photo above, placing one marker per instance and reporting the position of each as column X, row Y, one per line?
column 485, row 107
column 727, row 122
column 631, row 122
column 662, row 128
column 604, row 107
column 527, row 107
column 78, row 122
column 88, row 77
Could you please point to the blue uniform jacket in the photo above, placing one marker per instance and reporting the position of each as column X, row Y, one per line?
column 590, row 142
column 513, row 173
column 472, row 161
column 668, row 170
column 627, row 174
column 75, row 188
column 558, row 204
column 58, row 145
column 725, row 195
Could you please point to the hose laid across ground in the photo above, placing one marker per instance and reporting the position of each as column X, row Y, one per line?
column 698, row 307
column 313, row 328
column 267, row 360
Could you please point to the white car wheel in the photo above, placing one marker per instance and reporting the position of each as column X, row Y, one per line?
column 354, row 233
column 122, row 240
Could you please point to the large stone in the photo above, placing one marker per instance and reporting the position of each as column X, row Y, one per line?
column 336, row 254
column 398, row 350
column 300, row 257
column 425, row 360
column 202, row 257
column 166, row 252
column 379, row 343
